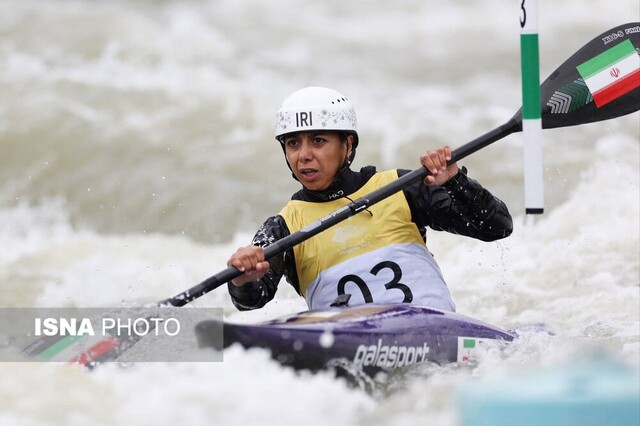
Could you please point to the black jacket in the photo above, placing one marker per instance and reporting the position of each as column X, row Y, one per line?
column 460, row 206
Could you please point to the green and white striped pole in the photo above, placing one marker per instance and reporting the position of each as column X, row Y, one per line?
column 531, row 110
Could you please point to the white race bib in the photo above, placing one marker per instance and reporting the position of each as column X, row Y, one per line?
column 398, row 273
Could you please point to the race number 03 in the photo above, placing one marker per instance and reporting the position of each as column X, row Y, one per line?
column 362, row 285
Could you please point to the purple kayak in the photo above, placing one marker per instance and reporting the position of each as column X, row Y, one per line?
column 370, row 337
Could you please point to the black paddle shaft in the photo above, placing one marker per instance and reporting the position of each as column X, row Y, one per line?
column 342, row 214
column 566, row 101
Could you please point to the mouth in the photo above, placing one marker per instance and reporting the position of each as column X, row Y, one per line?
column 308, row 174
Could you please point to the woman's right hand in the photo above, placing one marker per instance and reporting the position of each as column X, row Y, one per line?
column 250, row 260
column 436, row 161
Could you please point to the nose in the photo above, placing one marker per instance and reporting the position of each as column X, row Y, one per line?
column 305, row 153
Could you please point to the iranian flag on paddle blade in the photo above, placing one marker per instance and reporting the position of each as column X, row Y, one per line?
column 612, row 73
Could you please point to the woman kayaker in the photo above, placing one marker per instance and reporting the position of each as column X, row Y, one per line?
column 378, row 255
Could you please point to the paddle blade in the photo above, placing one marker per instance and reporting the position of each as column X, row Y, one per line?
column 600, row 81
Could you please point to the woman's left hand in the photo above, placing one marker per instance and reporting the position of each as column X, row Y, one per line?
column 435, row 161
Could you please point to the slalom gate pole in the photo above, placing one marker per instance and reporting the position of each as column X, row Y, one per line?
column 531, row 116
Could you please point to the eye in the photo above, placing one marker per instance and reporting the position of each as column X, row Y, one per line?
column 291, row 142
column 319, row 140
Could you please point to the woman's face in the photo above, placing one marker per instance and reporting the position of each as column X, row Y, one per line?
column 316, row 157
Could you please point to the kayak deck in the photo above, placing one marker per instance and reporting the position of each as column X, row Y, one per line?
column 371, row 337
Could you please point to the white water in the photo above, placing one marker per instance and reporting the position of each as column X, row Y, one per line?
column 136, row 154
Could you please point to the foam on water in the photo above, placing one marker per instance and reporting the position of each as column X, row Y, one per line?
column 136, row 155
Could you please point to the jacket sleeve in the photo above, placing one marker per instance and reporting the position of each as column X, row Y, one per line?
column 256, row 294
column 460, row 206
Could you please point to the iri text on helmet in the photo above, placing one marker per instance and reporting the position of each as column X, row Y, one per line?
column 304, row 119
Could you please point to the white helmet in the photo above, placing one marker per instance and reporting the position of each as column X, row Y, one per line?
column 316, row 108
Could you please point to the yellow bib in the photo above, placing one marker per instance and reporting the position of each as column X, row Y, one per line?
column 376, row 234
